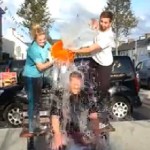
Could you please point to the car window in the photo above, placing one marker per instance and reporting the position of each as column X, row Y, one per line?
column 147, row 64
column 123, row 65
column 17, row 65
column 3, row 68
column 144, row 66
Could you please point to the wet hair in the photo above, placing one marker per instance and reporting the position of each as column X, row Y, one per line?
column 36, row 30
column 75, row 74
column 107, row 14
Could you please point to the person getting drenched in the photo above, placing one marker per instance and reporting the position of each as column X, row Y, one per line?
column 80, row 110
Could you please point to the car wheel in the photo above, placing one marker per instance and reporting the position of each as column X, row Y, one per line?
column 13, row 115
column 120, row 108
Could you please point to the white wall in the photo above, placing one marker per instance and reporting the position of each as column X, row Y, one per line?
column 8, row 46
column 14, row 45
column 137, row 55
column 142, row 53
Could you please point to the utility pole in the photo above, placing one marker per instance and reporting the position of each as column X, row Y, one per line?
column 136, row 55
column 116, row 30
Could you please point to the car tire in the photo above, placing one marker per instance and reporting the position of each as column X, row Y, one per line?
column 120, row 108
column 13, row 115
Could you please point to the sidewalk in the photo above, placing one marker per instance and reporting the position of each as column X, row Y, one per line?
column 130, row 135
column 10, row 140
column 145, row 97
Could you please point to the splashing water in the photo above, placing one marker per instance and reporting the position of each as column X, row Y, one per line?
column 60, row 75
column 76, row 30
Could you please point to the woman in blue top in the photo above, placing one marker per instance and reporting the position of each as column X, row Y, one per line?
column 37, row 61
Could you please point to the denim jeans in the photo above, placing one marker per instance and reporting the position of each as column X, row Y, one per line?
column 33, row 87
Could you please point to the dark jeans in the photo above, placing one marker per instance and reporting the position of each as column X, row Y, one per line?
column 33, row 88
column 102, row 78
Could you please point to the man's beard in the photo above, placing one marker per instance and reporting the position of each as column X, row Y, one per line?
column 102, row 29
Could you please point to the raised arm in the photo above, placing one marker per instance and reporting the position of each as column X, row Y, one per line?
column 100, row 44
column 55, row 121
column 92, row 48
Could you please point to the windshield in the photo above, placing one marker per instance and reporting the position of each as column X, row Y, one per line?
column 122, row 65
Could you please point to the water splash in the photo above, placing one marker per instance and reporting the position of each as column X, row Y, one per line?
column 76, row 30
column 60, row 74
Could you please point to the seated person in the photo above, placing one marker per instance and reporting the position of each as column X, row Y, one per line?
column 78, row 113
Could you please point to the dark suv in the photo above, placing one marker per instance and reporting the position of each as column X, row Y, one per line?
column 124, row 85
column 10, row 106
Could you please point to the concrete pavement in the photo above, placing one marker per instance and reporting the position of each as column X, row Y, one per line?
column 145, row 97
column 10, row 140
column 129, row 135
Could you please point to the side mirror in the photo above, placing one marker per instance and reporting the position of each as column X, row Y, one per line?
column 138, row 67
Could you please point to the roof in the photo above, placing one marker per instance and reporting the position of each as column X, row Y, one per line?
column 131, row 45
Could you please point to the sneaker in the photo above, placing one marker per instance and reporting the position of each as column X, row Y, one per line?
column 106, row 127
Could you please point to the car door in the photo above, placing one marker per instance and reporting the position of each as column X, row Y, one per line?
column 142, row 70
column 147, row 72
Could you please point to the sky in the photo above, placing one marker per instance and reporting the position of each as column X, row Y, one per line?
column 60, row 9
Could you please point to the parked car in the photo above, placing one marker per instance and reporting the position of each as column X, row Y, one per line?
column 143, row 71
column 124, row 85
column 17, row 66
column 10, row 105
column 4, row 66
column 13, row 66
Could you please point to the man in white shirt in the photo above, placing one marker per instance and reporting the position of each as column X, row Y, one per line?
column 101, row 51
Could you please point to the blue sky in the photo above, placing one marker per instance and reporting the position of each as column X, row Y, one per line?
column 140, row 8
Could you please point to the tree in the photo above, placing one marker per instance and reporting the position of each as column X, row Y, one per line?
column 35, row 11
column 124, row 18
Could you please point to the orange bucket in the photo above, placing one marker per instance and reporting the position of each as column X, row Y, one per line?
column 58, row 52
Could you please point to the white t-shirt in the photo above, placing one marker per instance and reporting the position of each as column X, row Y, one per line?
column 105, row 40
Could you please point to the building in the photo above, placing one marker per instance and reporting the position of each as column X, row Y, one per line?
column 1, row 13
column 136, row 50
column 14, row 45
